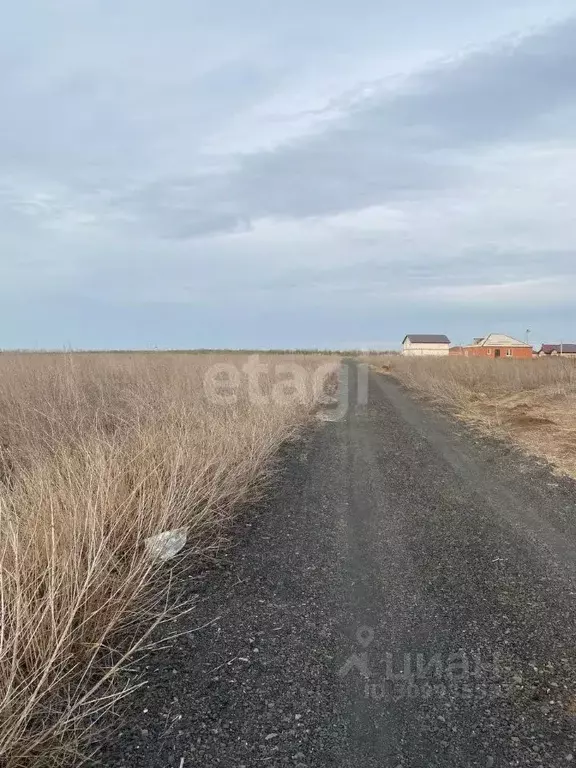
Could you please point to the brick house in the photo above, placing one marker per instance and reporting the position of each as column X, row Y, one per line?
column 495, row 345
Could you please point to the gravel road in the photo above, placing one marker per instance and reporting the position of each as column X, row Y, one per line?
column 406, row 599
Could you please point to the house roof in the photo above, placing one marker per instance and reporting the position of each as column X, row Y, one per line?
column 547, row 349
column 500, row 340
column 427, row 338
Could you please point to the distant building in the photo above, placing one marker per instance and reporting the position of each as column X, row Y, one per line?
column 552, row 350
column 419, row 344
column 495, row 345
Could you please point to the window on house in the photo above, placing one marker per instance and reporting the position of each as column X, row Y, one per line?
column 508, row 353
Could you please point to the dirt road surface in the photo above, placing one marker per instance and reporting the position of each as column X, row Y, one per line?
column 407, row 598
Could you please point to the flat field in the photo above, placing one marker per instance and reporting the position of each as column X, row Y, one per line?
column 98, row 453
column 531, row 402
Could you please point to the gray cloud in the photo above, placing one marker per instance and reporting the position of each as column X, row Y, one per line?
column 225, row 156
column 396, row 146
column 490, row 95
column 411, row 143
column 181, row 209
column 405, row 272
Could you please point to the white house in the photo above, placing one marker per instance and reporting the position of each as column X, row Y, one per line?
column 418, row 344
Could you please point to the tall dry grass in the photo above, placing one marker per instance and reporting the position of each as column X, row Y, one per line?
column 97, row 453
column 531, row 402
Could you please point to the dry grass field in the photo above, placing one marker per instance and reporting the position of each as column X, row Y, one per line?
column 98, row 452
column 532, row 402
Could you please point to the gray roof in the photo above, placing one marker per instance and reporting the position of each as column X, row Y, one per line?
column 427, row 338
column 547, row 349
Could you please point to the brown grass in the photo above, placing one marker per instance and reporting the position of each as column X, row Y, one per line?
column 97, row 453
column 532, row 402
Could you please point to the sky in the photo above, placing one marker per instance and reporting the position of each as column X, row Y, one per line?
column 319, row 173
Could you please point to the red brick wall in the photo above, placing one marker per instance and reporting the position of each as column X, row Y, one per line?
column 524, row 353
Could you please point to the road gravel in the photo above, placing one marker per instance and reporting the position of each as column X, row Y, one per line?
column 405, row 599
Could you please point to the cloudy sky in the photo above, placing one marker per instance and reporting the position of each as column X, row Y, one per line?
column 192, row 173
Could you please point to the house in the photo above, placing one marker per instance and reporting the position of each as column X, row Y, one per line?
column 417, row 344
column 495, row 345
column 549, row 350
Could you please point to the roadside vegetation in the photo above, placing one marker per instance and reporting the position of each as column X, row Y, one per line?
column 532, row 402
column 99, row 452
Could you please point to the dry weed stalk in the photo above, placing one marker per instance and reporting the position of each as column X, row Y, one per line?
column 532, row 402
column 97, row 453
